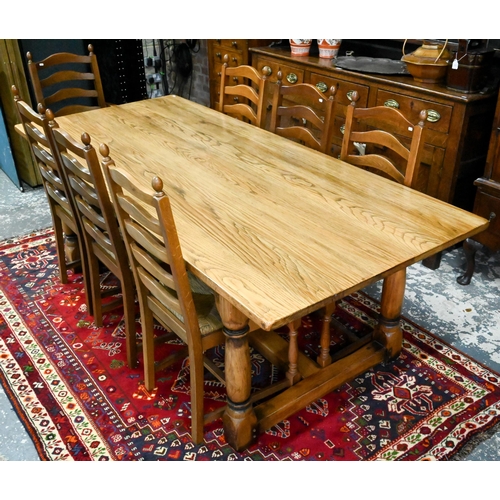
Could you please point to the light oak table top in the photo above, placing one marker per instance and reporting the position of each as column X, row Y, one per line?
column 276, row 228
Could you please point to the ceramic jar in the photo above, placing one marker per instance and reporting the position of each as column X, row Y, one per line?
column 328, row 47
column 300, row 46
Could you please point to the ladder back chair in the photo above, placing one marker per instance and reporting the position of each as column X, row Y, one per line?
column 245, row 99
column 67, row 231
column 67, row 83
column 100, row 233
column 304, row 114
column 370, row 141
column 167, row 293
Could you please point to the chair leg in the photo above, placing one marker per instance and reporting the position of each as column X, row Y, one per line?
column 148, row 347
column 95, row 287
column 196, row 371
column 61, row 256
column 129, row 317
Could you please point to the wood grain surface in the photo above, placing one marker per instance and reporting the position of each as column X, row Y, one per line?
column 276, row 228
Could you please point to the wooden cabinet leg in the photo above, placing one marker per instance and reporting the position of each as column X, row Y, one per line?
column 470, row 247
column 388, row 333
column 239, row 420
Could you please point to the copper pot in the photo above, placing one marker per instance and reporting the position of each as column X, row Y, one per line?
column 428, row 64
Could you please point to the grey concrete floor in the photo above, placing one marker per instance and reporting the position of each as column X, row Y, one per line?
column 468, row 317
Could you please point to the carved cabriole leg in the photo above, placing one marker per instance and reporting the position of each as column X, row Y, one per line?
column 470, row 247
column 293, row 374
column 388, row 333
column 239, row 419
column 324, row 358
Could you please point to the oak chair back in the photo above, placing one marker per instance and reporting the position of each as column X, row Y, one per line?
column 245, row 99
column 167, row 293
column 372, row 139
column 67, row 83
column 38, row 130
column 304, row 114
column 100, row 232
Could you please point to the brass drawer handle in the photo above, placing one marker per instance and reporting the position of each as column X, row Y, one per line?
column 235, row 79
column 322, row 86
column 342, row 129
column 234, row 44
column 391, row 103
column 267, row 70
column 433, row 116
column 292, row 78
column 349, row 94
column 218, row 54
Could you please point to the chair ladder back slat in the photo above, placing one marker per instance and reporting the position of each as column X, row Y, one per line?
column 146, row 240
column 300, row 133
column 66, row 76
column 152, row 266
column 139, row 214
column 244, row 91
column 164, row 296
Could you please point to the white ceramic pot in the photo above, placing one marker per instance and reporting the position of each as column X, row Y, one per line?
column 328, row 47
column 300, row 46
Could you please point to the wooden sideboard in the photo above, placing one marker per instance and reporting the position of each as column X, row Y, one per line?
column 238, row 52
column 487, row 203
column 457, row 131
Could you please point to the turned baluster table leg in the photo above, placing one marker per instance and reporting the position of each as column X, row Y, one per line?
column 293, row 374
column 324, row 358
column 71, row 249
column 388, row 332
column 239, row 420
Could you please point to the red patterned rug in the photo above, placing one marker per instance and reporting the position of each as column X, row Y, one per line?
column 70, row 385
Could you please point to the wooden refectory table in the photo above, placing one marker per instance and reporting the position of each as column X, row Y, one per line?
column 277, row 230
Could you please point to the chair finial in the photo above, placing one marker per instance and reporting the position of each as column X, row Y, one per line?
column 90, row 48
column 157, row 184
column 29, row 57
column 41, row 109
column 104, row 150
column 86, row 140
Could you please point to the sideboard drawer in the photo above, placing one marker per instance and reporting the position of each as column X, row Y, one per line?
column 235, row 59
column 439, row 115
column 290, row 74
column 230, row 43
column 344, row 89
